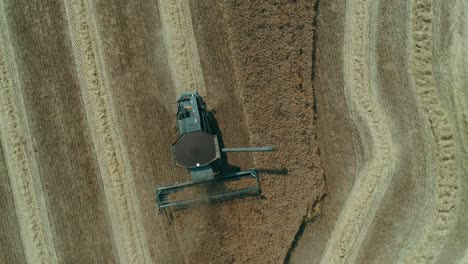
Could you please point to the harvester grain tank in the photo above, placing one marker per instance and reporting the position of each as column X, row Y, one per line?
column 198, row 149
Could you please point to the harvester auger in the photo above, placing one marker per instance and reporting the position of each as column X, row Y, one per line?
column 198, row 149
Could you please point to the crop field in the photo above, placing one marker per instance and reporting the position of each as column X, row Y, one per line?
column 366, row 102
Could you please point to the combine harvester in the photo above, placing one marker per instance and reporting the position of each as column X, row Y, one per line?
column 198, row 150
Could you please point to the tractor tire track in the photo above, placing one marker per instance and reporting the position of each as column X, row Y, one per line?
column 463, row 98
column 22, row 168
column 461, row 91
column 11, row 247
column 183, row 57
column 115, row 171
column 180, row 42
column 449, row 34
column 459, row 53
column 451, row 64
column 447, row 183
column 361, row 90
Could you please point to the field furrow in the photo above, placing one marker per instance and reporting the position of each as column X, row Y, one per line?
column 449, row 26
column 454, row 63
column 460, row 25
column 181, row 46
column 445, row 196
column 361, row 89
column 463, row 96
column 11, row 246
column 22, row 168
column 115, row 171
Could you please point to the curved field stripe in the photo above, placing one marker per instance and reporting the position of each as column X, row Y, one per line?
column 361, row 90
column 453, row 62
column 181, row 46
column 446, row 194
column 119, row 188
column 464, row 95
column 460, row 54
column 450, row 66
column 22, row 168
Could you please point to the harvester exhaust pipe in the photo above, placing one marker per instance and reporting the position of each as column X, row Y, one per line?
column 258, row 149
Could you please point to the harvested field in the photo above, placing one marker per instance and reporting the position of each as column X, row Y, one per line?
column 365, row 101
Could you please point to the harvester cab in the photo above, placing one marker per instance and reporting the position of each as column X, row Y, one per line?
column 198, row 149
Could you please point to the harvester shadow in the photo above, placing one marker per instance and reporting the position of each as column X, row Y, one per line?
column 222, row 165
column 279, row 172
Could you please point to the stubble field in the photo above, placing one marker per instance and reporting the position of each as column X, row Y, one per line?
column 365, row 101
